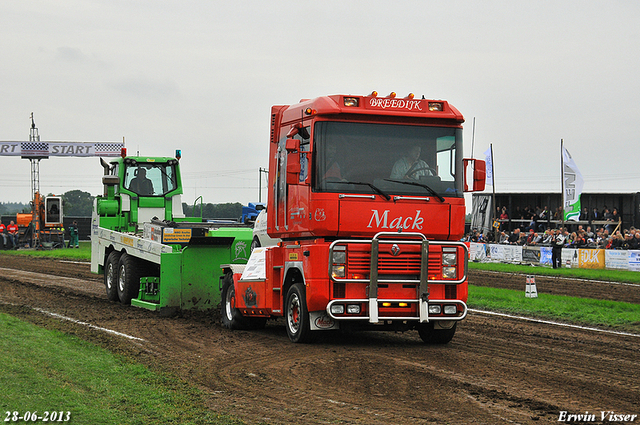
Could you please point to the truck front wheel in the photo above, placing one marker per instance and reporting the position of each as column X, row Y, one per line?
column 231, row 317
column 436, row 336
column 128, row 278
column 111, row 275
column 297, row 316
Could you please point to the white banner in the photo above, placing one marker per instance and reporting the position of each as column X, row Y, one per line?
column 477, row 252
column 573, row 184
column 634, row 260
column 508, row 253
column 616, row 259
column 46, row 149
column 481, row 214
column 488, row 155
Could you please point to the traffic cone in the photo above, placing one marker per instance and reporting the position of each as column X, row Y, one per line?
column 531, row 291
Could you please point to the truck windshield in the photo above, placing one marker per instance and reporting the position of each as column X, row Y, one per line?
column 353, row 157
column 150, row 179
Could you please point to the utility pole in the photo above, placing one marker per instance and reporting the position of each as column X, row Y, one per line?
column 260, row 171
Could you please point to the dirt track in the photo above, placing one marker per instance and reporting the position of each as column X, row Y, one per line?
column 496, row 370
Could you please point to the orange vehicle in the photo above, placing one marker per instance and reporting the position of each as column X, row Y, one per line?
column 366, row 194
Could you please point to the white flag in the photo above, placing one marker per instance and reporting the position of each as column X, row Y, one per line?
column 489, row 163
column 573, row 184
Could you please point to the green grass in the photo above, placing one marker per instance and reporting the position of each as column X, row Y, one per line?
column 82, row 253
column 604, row 274
column 584, row 311
column 44, row 370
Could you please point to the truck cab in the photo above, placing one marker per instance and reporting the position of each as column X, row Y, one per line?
column 367, row 198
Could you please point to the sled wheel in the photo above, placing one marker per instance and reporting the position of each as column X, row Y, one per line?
column 436, row 336
column 297, row 316
column 255, row 243
column 111, row 275
column 128, row 278
column 231, row 317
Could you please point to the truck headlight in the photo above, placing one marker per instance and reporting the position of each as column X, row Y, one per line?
column 449, row 259
column 434, row 309
column 353, row 309
column 339, row 257
column 449, row 272
column 337, row 309
column 450, row 309
column 337, row 270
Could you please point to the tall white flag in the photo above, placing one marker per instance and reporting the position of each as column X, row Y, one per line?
column 573, row 184
column 487, row 158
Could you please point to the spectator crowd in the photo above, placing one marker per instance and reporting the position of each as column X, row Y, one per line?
column 536, row 229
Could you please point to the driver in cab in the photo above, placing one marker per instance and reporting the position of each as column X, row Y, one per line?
column 140, row 184
column 411, row 166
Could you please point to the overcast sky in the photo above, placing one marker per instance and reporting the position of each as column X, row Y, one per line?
column 201, row 76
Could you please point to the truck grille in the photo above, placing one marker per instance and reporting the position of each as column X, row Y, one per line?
column 407, row 263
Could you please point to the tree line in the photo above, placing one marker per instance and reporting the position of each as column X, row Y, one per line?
column 77, row 203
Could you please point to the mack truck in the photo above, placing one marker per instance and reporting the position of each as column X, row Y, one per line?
column 366, row 204
column 152, row 255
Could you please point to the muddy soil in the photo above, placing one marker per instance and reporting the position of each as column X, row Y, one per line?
column 496, row 370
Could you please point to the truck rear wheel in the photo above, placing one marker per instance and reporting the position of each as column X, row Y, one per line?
column 231, row 317
column 297, row 316
column 436, row 336
column 128, row 278
column 111, row 275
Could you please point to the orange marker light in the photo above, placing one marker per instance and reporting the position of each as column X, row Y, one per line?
column 410, row 96
column 392, row 94
column 374, row 93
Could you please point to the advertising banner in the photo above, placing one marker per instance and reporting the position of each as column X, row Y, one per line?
column 481, row 214
column 570, row 258
column 531, row 254
column 545, row 255
column 477, row 252
column 616, row 259
column 634, row 260
column 591, row 258
column 573, row 184
column 507, row 253
column 488, row 155
column 61, row 148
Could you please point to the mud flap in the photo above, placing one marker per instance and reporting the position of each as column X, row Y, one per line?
column 320, row 321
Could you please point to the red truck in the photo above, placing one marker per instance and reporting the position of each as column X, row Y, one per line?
column 366, row 194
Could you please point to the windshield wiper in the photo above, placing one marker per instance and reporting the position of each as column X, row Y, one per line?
column 375, row 189
column 433, row 192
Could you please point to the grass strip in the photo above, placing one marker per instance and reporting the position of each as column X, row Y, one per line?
column 45, row 371
column 592, row 274
column 583, row 311
column 82, row 253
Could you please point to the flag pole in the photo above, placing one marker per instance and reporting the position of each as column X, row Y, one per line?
column 493, row 188
column 562, row 182
column 473, row 136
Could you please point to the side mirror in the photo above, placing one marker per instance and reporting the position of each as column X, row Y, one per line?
column 293, row 167
column 292, row 145
column 478, row 175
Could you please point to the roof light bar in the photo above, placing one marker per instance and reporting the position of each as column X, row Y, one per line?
column 351, row 101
